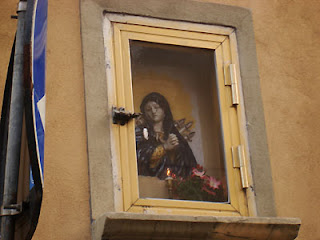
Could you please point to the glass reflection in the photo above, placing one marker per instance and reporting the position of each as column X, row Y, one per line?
column 178, row 135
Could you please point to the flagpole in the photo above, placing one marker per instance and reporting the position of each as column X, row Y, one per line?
column 10, row 207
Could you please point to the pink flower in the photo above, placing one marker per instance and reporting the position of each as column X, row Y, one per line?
column 205, row 178
column 208, row 191
column 214, row 183
column 197, row 173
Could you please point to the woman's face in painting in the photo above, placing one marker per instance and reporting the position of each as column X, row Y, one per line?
column 154, row 112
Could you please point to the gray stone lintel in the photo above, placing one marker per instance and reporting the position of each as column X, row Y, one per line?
column 132, row 226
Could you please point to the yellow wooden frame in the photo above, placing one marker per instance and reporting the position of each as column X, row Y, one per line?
column 223, row 41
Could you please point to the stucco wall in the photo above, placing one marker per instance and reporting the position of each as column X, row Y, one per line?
column 7, row 32
column 288, row 40
column 65, row 210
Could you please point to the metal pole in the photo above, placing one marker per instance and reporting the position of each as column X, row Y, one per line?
column 14, row 130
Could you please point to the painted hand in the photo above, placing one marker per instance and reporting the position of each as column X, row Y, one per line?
column 171, row 142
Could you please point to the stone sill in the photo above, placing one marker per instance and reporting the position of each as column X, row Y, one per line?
column 131, row 226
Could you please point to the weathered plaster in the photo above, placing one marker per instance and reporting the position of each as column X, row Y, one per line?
column 65, row 210
column 7, row 32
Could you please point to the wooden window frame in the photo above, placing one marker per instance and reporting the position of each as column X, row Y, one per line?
column 118, row 30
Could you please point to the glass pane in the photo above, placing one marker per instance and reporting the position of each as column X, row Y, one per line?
column 178, row 135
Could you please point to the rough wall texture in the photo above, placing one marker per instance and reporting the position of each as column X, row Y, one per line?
column 65, row 209
column 288, row 40
column 7, row 32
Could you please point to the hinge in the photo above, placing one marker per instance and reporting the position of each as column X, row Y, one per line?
column 234, row 84
column 11, row 209
column 227, row 80
column 239, row 161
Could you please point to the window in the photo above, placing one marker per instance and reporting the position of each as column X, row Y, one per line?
column 99, row 74
column 187, row 152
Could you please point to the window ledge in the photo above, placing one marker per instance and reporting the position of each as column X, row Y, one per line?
column 145, row 226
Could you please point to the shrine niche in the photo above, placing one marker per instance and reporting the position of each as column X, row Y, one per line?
column 121, row 83
column 178, row 135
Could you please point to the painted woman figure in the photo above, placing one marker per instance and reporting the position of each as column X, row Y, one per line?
column 159, row 143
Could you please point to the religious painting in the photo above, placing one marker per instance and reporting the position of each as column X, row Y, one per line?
column 179, row 145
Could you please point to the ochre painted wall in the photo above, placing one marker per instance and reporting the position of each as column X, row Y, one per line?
column 288, row 46
column 7, row 32
column 65, row 210
column 288, row 41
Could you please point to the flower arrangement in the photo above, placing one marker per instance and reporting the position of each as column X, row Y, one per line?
column 198, row 187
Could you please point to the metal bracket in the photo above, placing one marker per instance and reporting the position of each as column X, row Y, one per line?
column 11, row 210
column 239, row 161
column 120, row 116
column 22, row 6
